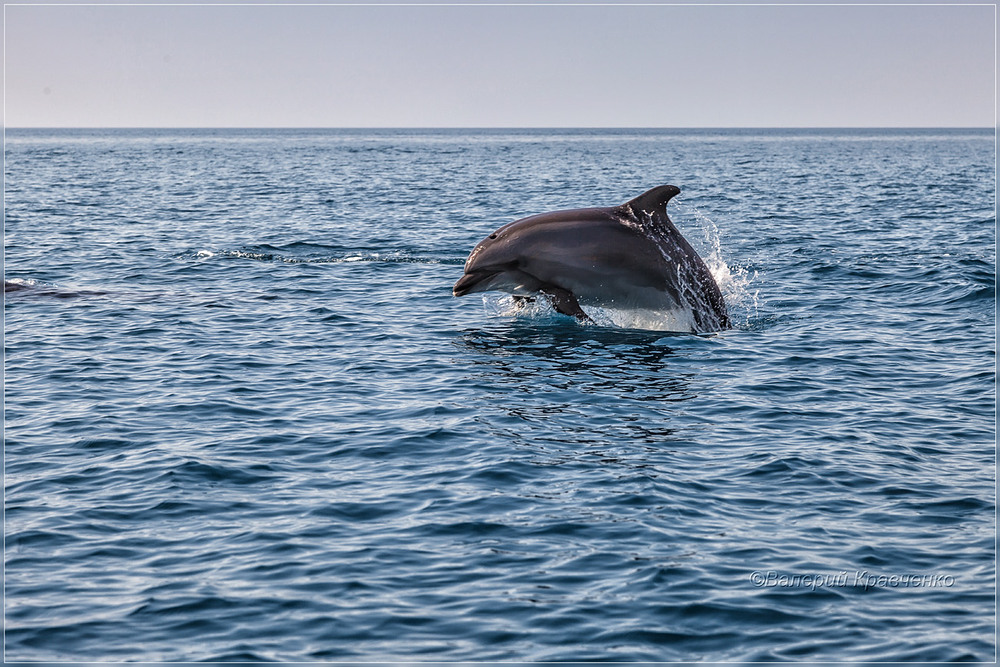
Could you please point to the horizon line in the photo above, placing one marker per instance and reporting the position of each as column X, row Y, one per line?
column 501, row 127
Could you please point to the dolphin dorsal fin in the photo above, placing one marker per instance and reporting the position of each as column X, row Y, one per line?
column 655, row 200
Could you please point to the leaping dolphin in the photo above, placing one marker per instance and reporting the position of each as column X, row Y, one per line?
column 628, row 257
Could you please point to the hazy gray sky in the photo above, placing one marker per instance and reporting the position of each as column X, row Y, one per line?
column 499, row 66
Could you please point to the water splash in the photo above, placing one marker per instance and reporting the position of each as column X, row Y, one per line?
column 17, row 284
column 674, row 321
column 499, row 304
column 737, row 283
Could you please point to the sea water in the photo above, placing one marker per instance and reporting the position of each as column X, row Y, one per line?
column 246, row 419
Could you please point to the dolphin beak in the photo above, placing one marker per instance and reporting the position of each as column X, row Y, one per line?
column 469, row 282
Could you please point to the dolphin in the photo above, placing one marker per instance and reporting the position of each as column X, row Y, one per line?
column 628, row 257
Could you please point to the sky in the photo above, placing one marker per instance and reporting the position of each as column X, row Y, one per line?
column 499, row 65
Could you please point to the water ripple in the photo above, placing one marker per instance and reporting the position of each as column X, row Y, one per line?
column 246, row 420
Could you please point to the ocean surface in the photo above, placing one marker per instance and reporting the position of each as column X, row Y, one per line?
column 246, row 419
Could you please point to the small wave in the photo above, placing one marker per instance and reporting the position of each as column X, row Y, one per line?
column 975, row 295
column 18, row 284
column 396, row 258
column 30, row 287
column 263, row 254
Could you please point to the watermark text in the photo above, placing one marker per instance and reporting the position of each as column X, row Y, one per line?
column 857, row 579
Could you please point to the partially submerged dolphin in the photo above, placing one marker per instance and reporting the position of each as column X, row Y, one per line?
column 628, row 257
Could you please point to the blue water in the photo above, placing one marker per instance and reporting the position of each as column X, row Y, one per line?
column 246, row 419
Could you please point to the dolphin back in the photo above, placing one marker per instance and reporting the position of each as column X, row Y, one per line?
column 654, row 201
column 696, row 285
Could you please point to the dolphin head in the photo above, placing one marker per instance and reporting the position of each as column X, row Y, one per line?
column 541, row 251
column 476, row 281
column 493, row 265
